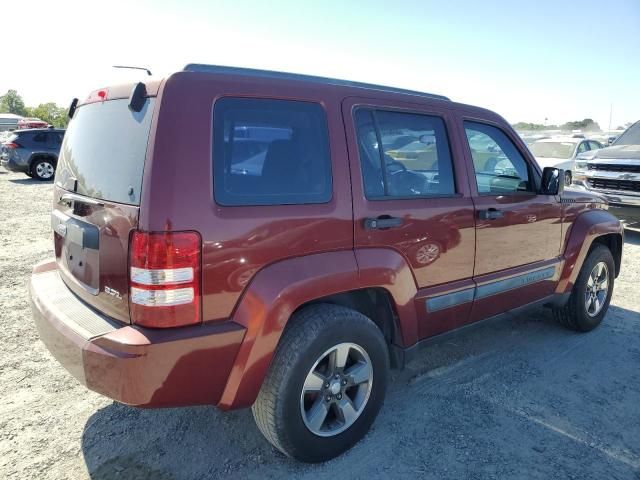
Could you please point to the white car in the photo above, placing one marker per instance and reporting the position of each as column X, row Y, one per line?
column 561, row 152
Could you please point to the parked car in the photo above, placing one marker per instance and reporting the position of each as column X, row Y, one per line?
column 33, row 152
column 561, row 152
column 180, row 279
column 9, row 121
column 25, row 123
column 614, row 172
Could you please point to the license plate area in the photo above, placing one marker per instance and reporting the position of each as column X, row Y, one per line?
column 78, row 250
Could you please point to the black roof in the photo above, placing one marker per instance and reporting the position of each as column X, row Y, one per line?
column 250, row 72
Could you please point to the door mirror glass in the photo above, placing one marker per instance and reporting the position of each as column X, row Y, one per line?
column 552, row 181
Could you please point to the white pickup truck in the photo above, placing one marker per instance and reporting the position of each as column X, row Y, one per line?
column 614, row 172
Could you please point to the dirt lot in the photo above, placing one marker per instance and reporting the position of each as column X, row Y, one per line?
column 520, row 398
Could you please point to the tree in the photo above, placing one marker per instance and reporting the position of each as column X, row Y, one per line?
column 587, row 124
column 12, row 102
column 50, row 113
column 526, row 126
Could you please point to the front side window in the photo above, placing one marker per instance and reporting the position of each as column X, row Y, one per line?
column 270, row 152
column 583, row 147
column 403, row 155
column 499, row 166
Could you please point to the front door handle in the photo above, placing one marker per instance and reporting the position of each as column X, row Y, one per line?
column 490, row 214
column 380, row 223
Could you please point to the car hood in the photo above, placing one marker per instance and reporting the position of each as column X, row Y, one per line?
column 630, row 152
column 551, row 161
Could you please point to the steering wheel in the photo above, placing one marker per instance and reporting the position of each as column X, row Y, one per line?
column 396, row 166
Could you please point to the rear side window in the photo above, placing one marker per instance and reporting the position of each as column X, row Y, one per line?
column 270, row 152
column 403, row 155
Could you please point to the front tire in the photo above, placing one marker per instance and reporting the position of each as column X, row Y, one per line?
column 591, row 294
column 326, row 383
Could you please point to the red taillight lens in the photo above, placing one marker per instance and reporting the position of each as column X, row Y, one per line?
column 11, row 145
column 164, row 288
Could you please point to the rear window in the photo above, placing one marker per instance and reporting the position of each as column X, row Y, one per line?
column 270, row 152
column 103, row 151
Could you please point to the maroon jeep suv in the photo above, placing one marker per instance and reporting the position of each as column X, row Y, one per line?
column 241, row 238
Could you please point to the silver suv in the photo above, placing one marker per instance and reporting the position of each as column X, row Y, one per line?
column 614, row 172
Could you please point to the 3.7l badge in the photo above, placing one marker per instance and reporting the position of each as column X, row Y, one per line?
column 112, row 292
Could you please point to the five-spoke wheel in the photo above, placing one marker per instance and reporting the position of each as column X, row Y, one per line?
column 336, row 389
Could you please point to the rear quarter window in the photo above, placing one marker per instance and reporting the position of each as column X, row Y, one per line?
column 270, row 152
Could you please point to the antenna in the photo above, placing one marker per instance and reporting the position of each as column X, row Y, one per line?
column 134, row 68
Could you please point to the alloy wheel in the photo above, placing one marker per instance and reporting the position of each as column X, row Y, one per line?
column 45, row 170
column 336, row 389
column 597, row 289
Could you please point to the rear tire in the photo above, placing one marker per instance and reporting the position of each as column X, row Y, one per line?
column 43, row 169
column 588, row 303
column 309, row 407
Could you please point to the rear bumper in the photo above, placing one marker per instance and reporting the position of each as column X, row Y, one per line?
column 13, row 166
column 132, row 365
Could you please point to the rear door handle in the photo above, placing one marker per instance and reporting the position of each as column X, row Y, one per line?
column 380, row 223
column 490, row 214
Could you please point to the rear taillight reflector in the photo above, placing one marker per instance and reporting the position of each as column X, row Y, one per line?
column 162, row 276
column 165, row 278
column 161, row 298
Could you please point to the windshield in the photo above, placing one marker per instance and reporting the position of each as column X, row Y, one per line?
column 631, row 136
column 552, row 149
column 104, row 150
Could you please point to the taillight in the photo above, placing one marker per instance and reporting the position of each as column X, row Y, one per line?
column 11, row 145
column 164, row 288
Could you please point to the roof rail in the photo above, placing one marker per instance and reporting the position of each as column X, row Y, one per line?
column 250, row 72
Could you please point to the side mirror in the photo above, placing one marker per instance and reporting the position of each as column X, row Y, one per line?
column 552, row 181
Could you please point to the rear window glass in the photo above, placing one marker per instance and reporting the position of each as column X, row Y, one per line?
column 270, row 152
column 104, row 149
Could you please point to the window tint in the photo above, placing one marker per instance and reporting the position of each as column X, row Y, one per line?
column 270, row 152
column 414, row 159
column 40, row 138
column 499, row 166
column 594, row 145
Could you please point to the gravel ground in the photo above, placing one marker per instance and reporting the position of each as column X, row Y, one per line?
column 519, row 398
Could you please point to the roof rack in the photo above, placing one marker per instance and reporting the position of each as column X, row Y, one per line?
column 250, row 72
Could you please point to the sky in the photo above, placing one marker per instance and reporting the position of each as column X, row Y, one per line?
column 527, row 60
